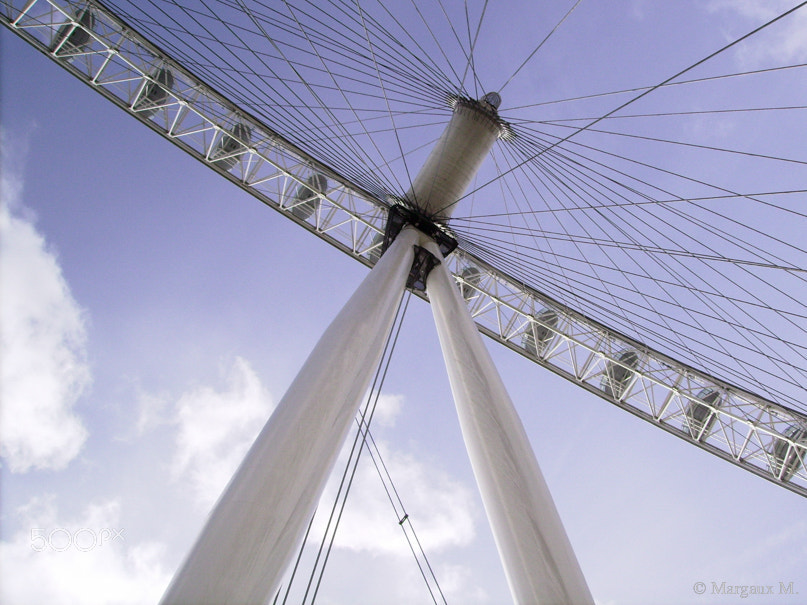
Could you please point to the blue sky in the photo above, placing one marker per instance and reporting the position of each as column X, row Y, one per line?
column 153, row 314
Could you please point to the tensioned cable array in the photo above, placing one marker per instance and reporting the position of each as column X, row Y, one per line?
column 363, row 440
column 308, row 72
column 675, row 222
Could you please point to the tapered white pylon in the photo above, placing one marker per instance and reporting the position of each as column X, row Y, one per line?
column 261, row 517
column 259, row 521
column 538, row 559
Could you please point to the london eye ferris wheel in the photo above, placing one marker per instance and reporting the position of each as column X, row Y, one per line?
column 630, row 220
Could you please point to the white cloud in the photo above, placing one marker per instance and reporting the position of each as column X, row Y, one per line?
column 441, row 510
column 789, row 42
column 42, row 343
column 153, row 411
column 387, row 410
column 439, row 507
column 89, row 560
column 458, row 585
column 216, row 428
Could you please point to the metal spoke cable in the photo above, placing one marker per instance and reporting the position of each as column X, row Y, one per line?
column 540, row 44
column 474, row 217
column 457, row 81
column 321, row 103
column 386, row 99
column 458, row 39
column 491, row 227
column 662, row 268
column 688, row 144
column 647, row 200
column 629, row 205
column 560, row 190
column 646, row 92
column 470, row 65
column 448, row 82
column 662, row 114
column 668, row 84
column 342, row 40
column 362, row 123
column 746, row 248
column 422, row 59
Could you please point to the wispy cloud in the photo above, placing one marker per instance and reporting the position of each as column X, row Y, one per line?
column 439, row 507
column 785, row 42
column 459, row 586
column 216, row 428
column 89, row 559
column 43, row 341
column 387, row 409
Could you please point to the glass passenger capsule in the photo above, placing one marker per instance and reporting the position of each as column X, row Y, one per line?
column 537, row 338
column 619, row 376
column 71, row 40
column 471, row 276
column 306, row 199
column 154, row 93
column 232, row 147
column 699, row 416
column 374, row 251
column 786, row 459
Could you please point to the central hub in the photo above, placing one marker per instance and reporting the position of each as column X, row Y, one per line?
column 455, row 159
column 451, row 166
column 401, row 216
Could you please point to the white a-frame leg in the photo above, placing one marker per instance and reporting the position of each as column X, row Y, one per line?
column 538, row 559
column 260, row 519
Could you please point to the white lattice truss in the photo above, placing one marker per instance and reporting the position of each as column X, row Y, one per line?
column 750, row 431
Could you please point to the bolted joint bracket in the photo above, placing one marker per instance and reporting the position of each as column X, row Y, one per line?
column 399, row 216
column 422, row 265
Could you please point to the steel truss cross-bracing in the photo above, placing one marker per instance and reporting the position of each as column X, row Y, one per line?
column 741, row 427
column 760, row 435
column 255, row 528
column 755, row 433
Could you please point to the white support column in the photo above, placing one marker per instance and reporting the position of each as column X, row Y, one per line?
column 538, row 559
column 260, row 519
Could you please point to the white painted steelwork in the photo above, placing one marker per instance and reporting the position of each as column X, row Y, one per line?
column 539, row 562
column 748, row 429
column 260, row 520
column 456, row 158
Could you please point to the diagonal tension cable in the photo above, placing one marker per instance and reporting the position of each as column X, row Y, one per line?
column 363, row 438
